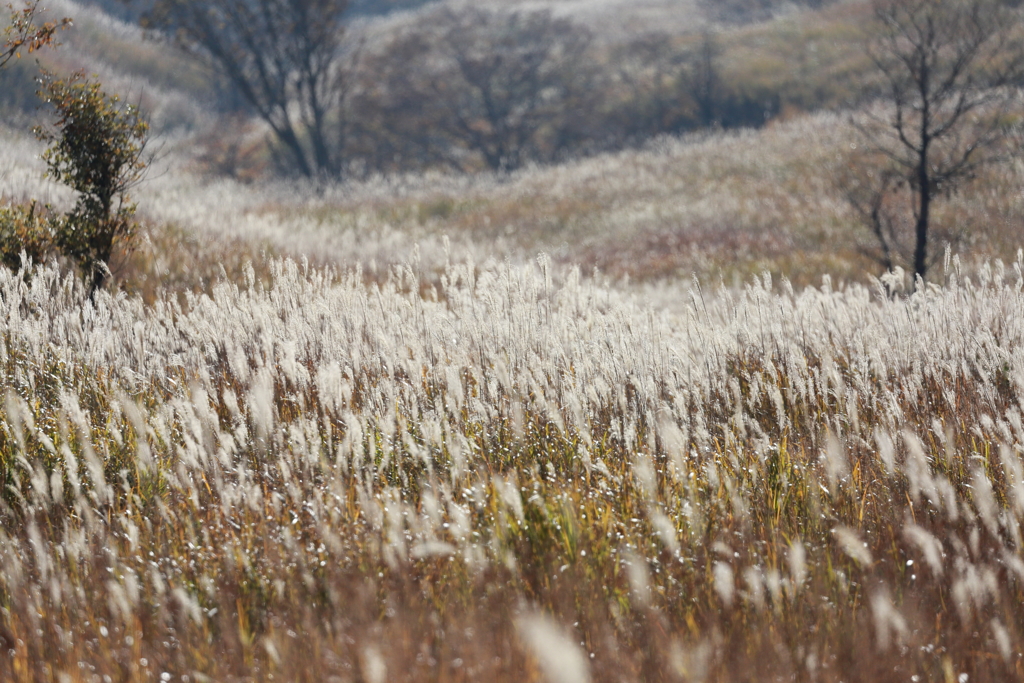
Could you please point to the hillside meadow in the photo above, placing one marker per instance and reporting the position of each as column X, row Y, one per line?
column 724, row 207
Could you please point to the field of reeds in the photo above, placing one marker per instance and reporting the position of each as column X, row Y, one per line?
column 511, row 475
column 363, row 433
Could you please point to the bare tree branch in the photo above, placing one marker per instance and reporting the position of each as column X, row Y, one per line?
column 23, row 32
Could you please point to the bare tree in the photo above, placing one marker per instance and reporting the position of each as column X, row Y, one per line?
column 653, row 94
column 510, row 78
column 283, row 56
column 879, row 195
column 950, row 69
column 506, row 86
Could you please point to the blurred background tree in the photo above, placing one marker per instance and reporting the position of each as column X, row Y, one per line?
column 951, row 70
column 467, row 88
column 480, row 87
column 282, row 56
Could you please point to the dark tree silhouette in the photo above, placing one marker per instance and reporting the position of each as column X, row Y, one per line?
column 949, row 69
column 283, row 57
column 505, row 87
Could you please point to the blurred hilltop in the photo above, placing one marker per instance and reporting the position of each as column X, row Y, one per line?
column 764, row 48
column 634, row 171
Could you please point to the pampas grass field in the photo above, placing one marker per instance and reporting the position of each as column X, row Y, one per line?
column 510, row 477
column 649, row 416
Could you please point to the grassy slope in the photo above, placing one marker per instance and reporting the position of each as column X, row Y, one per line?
column 810, row 59
column 725, row 205
column 714, row 205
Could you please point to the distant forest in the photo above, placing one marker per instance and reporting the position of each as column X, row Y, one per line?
column 131, row 10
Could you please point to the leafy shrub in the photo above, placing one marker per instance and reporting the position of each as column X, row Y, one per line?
column 97, row 149
column 26, row 229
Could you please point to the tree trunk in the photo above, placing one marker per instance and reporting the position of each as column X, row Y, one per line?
column 923, row 216
column 96, row 282
column 288, row 136
column 924, row 181
column 921, row 246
